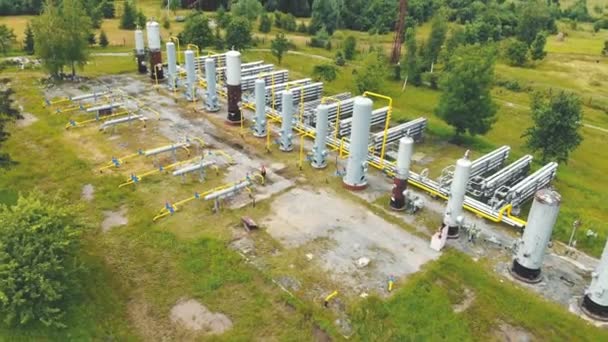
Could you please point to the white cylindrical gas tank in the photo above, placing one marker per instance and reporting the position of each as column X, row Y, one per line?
column 190, row 74
column 285, row 143
column 171, row 61
column 260, row 108
column 453, row 217
column 404, row 157
column 531, row 247
column 233, row 68
column 153, row 35
column 355, row 178
column 595, row 302
column 140, row 49
column 319, row 151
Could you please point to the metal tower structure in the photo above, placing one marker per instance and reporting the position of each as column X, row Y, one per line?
column 399, row 32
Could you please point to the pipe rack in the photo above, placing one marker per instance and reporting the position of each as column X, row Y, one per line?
column 484, row 188
column 170, row 209
column 414, row 129
column 481, row 166
column 274, row 77
column 74, row 124
column 121, row 120
column 378, row 117
column 117, row 162
column 135, row 178
column 301, row 94
column 523, row 190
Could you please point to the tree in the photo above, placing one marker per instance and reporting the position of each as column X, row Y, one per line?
column 103, row 39
column 411, row 59
column 28, row 41
column 7, row 38
column 265, row 23
column 197, row 31
column 249, row 9
column 605, row 49
column 439, row 29
column 238, row 33
column 326, row 72
column 223, row 17
column 325, row 13
column 141, row 19
column 350, row 47
column 537, row 50
column 279, row 46
column 557, row 122
column 340, row 61
column 107, row 9
column 516, row 53
column 77, row 28
column 39, row 241
column 534, row 17
column 61, row 36
column 466, row 102
column 371, row 78
column 9, row 114
column 48, row 43
column 91, row 39
column 128, row 21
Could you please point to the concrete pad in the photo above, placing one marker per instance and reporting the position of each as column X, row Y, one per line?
column 302, row 216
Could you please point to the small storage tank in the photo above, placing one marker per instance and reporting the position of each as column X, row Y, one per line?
column 153, row 29
column 595, row 302
column 190, row 75
column 319, row 150
column 140, row 52
column 172, row 65
column 530, row 249
column 356, row 169
column 156, row 57
column 259, row 129
column 211, row 100
column 404, row 159
column 233, row 83
column 140, row 49
column 453, row 217
column 285, row 141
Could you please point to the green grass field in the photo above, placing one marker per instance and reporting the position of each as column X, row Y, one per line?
column 137, row 272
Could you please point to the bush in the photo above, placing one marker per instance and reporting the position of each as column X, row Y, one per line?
column 326, row 72
column 302, row 28
column 340, row 60
column 511, row 85
column 516, row 53
column 320, row 39
column 39, row 241
column 265, row 23
column 432, row 79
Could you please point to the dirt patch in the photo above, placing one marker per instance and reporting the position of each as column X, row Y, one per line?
column 195, row 316
column 469, row 298
column 319, row 335
column 114, row 219
column 88, row 192
column 353, row 232
column 26, row 120
column 509, row 333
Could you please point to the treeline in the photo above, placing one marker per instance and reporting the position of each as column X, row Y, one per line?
column 96, row 9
